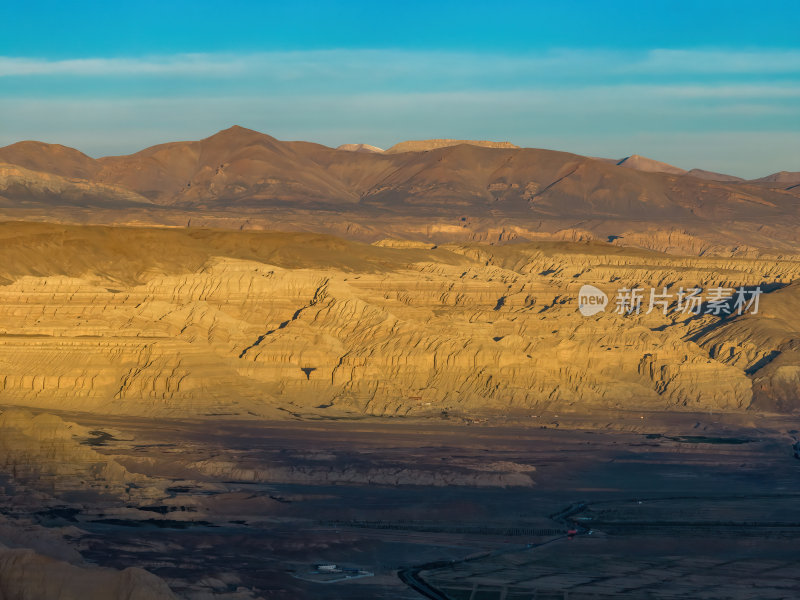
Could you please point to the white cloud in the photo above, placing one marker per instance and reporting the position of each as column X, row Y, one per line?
column 184, row 64
column 393, row 63
column 722, row 61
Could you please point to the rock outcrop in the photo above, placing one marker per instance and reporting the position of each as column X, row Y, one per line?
column 642, row 163
column 765, row 345
column 26, row 574
column 423, row 145
column 360, row 148
column 47, row 454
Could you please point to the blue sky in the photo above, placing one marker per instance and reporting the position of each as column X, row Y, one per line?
column 706, row 84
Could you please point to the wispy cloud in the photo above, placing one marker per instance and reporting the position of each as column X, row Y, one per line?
column 722, row 61
column 183, row 64
column 396, row 62
column 600, row 102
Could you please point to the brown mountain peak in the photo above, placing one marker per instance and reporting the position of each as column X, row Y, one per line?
column 642, row 163
column 51, row 158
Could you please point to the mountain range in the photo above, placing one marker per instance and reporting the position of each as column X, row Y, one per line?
column 434, row 190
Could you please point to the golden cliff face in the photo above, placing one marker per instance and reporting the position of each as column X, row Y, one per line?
column 183, row 322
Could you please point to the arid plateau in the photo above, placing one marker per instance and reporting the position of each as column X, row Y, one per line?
column 247, row 368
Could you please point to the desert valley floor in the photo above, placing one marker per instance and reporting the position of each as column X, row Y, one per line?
column 688, row 506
